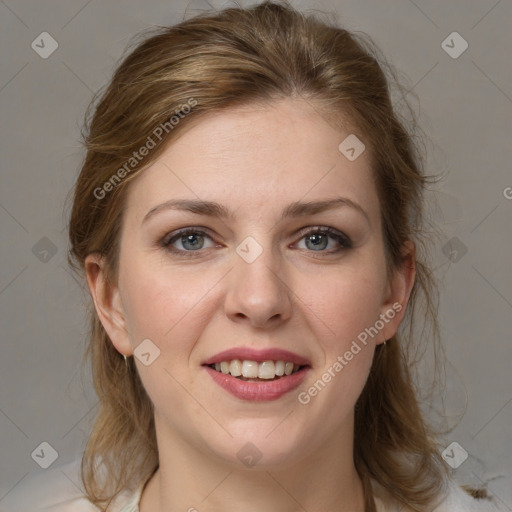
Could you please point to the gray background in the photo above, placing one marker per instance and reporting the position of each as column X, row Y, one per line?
column 465, row 107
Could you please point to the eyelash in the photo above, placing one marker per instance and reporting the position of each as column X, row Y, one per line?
column 340, row 237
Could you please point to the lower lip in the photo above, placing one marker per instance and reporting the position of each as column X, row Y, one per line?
column 258, row 391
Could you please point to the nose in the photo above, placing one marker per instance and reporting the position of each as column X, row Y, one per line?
column 259, row 293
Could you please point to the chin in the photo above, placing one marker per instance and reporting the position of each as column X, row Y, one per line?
column 264, row 447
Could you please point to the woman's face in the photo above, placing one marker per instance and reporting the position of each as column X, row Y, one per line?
column 263, row 277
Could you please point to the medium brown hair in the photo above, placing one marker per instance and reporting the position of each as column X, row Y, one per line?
column 223, row 60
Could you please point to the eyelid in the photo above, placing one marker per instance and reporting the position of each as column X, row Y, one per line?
column 167, row 241
column 346, row 241
column 184, row 231
column 343, row 239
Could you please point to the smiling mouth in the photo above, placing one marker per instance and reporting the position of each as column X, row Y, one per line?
column 254, row 371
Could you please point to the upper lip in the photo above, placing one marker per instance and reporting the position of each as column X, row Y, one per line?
column 251, row 354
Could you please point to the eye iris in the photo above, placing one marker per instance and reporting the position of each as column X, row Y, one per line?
column 193, row 240
column 317, row 239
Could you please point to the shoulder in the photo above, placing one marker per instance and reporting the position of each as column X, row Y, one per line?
column 455, row 499
column 57, row 490
column 458, row 500
column 54, row 490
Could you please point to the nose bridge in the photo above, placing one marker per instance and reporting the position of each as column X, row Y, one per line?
column 258, row 289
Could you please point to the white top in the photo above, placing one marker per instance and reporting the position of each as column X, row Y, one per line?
column 59, row 489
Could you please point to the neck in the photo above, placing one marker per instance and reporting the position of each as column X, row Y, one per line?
column 192, row 480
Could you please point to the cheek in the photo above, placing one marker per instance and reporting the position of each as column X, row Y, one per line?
column 346, row 302
column 165, row 305
column 350, row 305
column 344, row 310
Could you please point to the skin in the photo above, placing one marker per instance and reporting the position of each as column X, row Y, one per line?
column 254, row 160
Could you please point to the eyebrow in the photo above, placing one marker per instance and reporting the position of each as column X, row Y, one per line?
column 295, row 209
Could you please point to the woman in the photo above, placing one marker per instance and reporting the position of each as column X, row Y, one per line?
column 248, row 219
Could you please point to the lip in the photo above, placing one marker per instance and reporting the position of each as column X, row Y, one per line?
column 258, row 391
column 251, row 354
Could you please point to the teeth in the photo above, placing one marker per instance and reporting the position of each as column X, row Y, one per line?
column 250, row 369
column 266, row 370
column 235, row 368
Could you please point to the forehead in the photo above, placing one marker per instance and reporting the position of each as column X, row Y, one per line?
column 256, row 157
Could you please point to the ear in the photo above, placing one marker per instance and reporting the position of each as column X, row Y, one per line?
column 398, row 292
column 107, row 302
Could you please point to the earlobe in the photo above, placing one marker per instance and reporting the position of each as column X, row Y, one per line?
column 398, row 291
column 107, row 302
